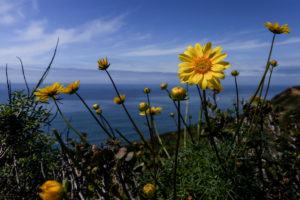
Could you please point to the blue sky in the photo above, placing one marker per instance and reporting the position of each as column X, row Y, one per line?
column 140, row 36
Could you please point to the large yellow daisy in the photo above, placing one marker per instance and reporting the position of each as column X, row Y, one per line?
column 49, row 91
column 201, row 65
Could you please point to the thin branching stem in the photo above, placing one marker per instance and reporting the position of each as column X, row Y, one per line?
column 23, row 72
column 94, row 116
column 176, row 152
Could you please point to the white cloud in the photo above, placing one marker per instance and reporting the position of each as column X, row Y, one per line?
column 10, row 11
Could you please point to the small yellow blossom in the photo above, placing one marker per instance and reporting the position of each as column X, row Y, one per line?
column 149, row 190
column 95, row 106
column 275, row 28
column 51, row 190
column 71, row 88
column 178, row 93
column 143, row 106
column 49, row 91
column 154, row 111
column 202, row 64
column 234, row 73
column 119, row 100
column 172, row 114
column 273, row 63
column 98, row 111
column 147, row 90
column 163, row 86
column 103, row 64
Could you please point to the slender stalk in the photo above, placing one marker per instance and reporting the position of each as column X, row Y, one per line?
column 160, row 141
column 23, row 72
column 122, row 136
column 79, row 134
column 186, row 116
column 152, row 141
column 94, row 116
column 261, row 82
column 211, row 136
column 129, row 116
column 176, row 152
column 181, row 117
column 269, row 81
column 237, row 109
column 108, row 124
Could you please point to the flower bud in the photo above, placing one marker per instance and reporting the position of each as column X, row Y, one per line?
column 172, row 114
column 119, row 100
column 147, row 90
column 178, row 93
column 95, row 106
column 163, row 86
column 273, row 63
column 235, row 73
column 98, row 111
column 143, row 106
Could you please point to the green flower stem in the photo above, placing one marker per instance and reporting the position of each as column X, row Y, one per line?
column 109, row 126
column 122, row 136
column 181, row 117
column 91, row 112
column 130, row 118
column 211, row 136
column 160, row 141
column 185, row 118
column 79, row 134
column 269, row 81
column 176, row 152
column 152, row 141
column 237, row 109
column 261, row 82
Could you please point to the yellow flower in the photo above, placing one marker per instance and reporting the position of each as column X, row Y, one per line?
column 235, row 73
column 163, row 86
column 49, row 91
column 154, row 111
column 149, row 190
column 275, row 28
column 51, row 190
column 119, row 100
column 201, row 65
column 273, row 63
column 98, row 111
column 95, row 106
column 71, row 88
column 147, row 90
column 172, row 114
column 143, row 106
column 103, row 64
column 178, row 93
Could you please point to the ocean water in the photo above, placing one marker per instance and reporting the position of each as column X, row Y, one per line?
column 103, row 95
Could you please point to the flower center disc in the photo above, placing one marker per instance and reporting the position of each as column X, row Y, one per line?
column 202, row 65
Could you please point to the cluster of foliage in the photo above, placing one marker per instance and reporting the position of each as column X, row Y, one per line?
column 27, row 157
column 244, row 153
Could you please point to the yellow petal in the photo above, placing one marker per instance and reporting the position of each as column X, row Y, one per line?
column 184, row 58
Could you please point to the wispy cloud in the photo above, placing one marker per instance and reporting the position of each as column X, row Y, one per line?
column 10, row 11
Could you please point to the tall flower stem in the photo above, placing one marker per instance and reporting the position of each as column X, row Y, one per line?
column 181, row 117
column 261, row 81
column 91, row 112
column 176, row 152
column 160, row 141
column 129, row 116
column 186, row 116
column 237, row 109
column 108, row 124
column 269, row 81
column 211, row 135
column 79, row 134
